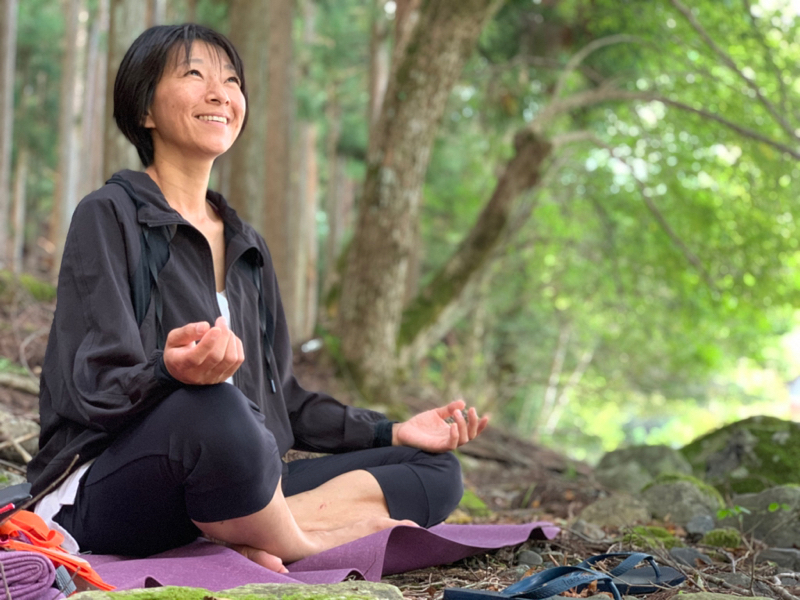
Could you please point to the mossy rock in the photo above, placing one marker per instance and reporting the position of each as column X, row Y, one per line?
column 726, row 537
column 704, row 487
column 651, row 537
column 473, row 505
column 748, row 456
column 347, row 590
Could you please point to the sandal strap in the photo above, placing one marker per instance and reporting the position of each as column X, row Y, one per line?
column 557, row 580
column 632, row 559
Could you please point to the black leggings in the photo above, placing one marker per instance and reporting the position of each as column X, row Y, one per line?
column 203, row 454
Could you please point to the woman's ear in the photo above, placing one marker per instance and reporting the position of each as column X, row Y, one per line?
column 147, row 122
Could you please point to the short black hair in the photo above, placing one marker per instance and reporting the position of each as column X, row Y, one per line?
column 141, row 70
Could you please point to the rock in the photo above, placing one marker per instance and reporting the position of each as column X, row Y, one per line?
column 787, row 558
column 773, row 518
column 748, row 456
column 744, row 581
column 629, row 477
column 13, row 427
column 590, row 531
column 726, row 537
column 712, row 596
column 529, row 558
column 617, row 510
column 8, row 478
column 681, row 498
column 272, row 591
column 690, row 557
column 700, row 524
column 615, row 469
column 346, row 589
column 650, row 538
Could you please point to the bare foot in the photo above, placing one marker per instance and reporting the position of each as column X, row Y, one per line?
column 353, row 531
column 258, row 556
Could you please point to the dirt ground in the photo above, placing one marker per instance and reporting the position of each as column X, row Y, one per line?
column 519, row 482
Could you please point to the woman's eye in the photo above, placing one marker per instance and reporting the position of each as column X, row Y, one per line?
column 193, row 72
column 235, row 80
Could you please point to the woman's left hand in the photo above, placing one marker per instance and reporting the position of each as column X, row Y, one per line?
column 430, row 430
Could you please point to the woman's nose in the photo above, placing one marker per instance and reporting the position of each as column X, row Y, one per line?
column 216, row 92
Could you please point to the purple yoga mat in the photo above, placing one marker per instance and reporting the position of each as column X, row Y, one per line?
column 29, row 576
column 206, row 565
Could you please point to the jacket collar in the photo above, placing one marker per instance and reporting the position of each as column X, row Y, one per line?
column 153, row 210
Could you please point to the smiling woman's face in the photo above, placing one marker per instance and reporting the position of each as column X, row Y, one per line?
column 198, row 107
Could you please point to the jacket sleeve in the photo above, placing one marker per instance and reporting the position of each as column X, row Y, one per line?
column 319, row 422
column 97, row 370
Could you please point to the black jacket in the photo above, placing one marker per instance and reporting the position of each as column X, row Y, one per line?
column 101, row 368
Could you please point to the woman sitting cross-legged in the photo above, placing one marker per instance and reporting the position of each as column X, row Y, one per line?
column 168, row 369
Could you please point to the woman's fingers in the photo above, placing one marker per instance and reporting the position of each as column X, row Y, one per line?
column 216, row 356
column 463, row 432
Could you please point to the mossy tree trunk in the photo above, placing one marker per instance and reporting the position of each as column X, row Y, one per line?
column 468, row 262
column 399, row 152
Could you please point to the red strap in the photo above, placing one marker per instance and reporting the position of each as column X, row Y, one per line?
column 46, row 541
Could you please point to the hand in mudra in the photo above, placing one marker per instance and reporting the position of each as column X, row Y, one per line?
column 440, row 429
column 198, row 354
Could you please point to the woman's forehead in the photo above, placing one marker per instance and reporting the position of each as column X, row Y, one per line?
column 199, row 52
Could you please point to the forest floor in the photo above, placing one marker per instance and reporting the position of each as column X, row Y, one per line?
column 519, row 481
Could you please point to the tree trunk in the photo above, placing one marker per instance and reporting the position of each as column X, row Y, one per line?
column 8, row 49
column 248, row 21
column 333, row 116
column 66, row 189
column 303, row 207
column 94, row 109
column 127, row 21
column 467, row 262
column 278, row 165
column 20, row 187
column 400, row 146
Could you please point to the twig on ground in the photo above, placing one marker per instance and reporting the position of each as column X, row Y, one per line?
column 19, row 440
column 21, row 451
column 21, row 469
column 53, row 485
column 22, row 383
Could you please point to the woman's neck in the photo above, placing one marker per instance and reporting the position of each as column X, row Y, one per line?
column 184, row 186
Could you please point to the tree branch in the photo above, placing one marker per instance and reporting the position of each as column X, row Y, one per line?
column 725, row 58
column 579, row 57
column 690, row 256
column 607, row 94
column 768, row 54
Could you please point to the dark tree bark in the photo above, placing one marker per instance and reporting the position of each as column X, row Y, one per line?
column 521, row 173
column 8, row 48
column 400, row 146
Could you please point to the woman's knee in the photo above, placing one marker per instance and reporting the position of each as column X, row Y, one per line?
column 216, row 421
column 446, row 477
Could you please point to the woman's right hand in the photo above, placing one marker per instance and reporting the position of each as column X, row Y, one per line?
column 198, row 354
